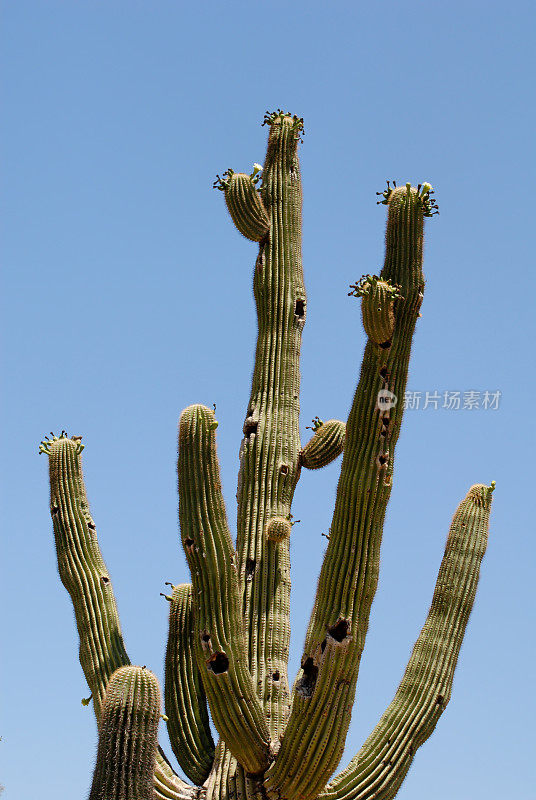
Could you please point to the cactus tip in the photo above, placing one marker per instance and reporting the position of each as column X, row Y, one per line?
column 421, row 196
column 317, row 423
column 366, row 283
column 277, row 117
column 222, row 182
column 44, row 446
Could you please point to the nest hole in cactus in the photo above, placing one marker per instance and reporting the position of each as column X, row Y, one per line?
column 299, row 309
column 250, row 568
column 307, row 682
column 250, row 426
column 339, row 631
column 218, row 663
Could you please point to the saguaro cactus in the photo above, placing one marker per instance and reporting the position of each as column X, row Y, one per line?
column 229, row 629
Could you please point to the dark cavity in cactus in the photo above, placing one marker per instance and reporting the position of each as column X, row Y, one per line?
column 229, row 629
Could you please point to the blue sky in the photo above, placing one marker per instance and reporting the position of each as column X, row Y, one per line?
column 127, row 296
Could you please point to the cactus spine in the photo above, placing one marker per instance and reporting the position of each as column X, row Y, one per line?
column 229, row 629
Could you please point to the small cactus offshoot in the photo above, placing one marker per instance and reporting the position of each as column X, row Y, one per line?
column 278, row 529
column 325, row 445
column 377, row 307
column 244, row 202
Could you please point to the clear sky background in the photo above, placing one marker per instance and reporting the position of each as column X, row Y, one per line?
column 127, row 296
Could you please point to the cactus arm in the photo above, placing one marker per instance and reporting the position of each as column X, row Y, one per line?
column 82, row 569
column 244, row 204
column 269, row 454
column 313, row 741
column 219, row 637
column 83, row 573
column 377, row 308
column 326, row 443
column 184, row 696
column 128, row 737
column 382, row 763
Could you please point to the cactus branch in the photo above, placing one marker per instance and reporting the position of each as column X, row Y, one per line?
column 185, row 700
column 84, row 575
column 128, row 737
column 244, row 203
column 377, row 307
column 313, row 741
column 219, row 640
column 382, row 763
column 326, row 443
column 269, row 454
column 82, row 569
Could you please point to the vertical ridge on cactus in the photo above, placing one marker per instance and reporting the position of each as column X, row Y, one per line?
column 229, row 630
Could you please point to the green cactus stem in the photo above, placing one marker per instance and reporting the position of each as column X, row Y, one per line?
column 270, row 451
column 219, row 636
column 128, row 737
column 326, row 443
column 83, row 573
column 313, row 742
column 184, row 695
column 244, row 202
column 382, row 763
column 82, row 568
